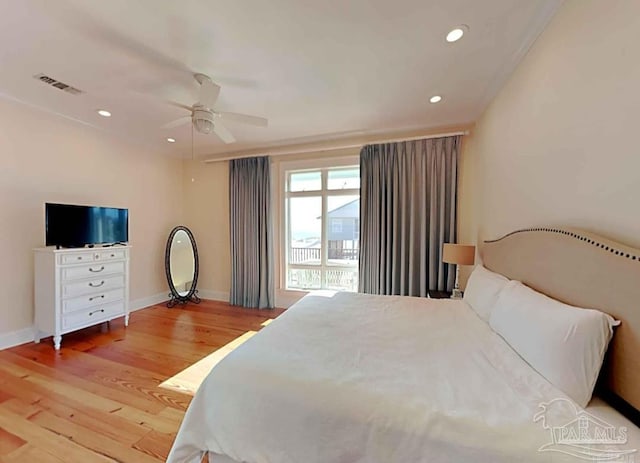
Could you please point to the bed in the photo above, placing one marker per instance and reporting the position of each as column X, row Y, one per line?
column 360, row 378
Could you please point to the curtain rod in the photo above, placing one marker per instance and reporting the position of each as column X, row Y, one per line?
column 312, row 147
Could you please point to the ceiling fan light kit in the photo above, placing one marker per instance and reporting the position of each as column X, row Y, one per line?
column 203, row 116
column 202, row 120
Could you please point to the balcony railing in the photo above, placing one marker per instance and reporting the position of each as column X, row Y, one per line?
column 304, row 255
column 312, row 255
column 343, row 254
column 338, row 279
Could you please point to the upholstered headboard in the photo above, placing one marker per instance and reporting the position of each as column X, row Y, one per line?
column 585, row 270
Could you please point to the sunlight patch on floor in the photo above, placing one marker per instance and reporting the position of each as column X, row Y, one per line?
column 189, row 379
column 267, row 321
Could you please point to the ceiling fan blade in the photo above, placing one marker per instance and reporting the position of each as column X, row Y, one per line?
column 222, row 132
column 178, row 122
column 154, row 99
column 179, row 105
column 244, row 119
column 208, row 93
column 85, row 20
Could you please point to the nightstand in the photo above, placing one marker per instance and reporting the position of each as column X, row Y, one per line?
column 433, row 294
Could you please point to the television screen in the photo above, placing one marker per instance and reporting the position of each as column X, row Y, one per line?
column 74, row 226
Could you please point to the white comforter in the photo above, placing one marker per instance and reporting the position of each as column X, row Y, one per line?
column 346, row 378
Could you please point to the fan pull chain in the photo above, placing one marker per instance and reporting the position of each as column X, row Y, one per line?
column 193, row 178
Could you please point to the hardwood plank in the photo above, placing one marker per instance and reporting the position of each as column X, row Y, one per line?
column 172, row 414
column 29, row 453
column 182, row 349
column 188, row 380
column 4, row 396
column 79, row 380
column 159, row 363
column 90, row 394
column 58, row 445
column 32, row 394
column 24, row 409
column 93, row 434
column 90, row 439
column 130, row 380
column 226, row 320
column 36, row 387
column 9, row 442
column 188, row 332
column 161, row 423
column 98, row 399
column 156, row 444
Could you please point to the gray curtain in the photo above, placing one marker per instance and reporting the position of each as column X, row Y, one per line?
column 407, row 211
column 252, row 281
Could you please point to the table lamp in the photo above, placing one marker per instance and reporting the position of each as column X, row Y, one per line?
column 458, row 254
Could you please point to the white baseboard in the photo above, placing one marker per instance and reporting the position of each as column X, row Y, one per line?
column 143, row 302
column 159, row 298
column 15, row 338
column 213, row 295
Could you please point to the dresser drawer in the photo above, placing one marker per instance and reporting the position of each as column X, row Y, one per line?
column 113, row 254
column 95, row 270
column 106, row 283
column 92, row 315
column 92, row 300
column 76, row 258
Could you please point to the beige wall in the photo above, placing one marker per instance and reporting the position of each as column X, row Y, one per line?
column 45, row 158
column 557, row 145
column 206, row 213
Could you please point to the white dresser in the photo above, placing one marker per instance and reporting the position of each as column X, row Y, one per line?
column 77, row 288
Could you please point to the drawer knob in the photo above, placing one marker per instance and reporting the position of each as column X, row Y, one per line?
column 97, row 297
column 96, row 311
column 96, row 286
column 79, row 257
column 96, row 271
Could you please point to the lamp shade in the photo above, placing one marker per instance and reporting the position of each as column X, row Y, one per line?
column 461, row 254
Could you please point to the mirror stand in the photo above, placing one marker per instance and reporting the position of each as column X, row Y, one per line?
column 176, row 299
column 182, row 267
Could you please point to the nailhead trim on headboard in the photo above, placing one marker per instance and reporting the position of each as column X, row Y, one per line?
column 588, row 240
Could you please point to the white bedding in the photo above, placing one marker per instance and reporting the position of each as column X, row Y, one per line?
column 358, row 378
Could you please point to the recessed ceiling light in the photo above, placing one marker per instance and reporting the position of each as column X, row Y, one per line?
column 171, row 140
column 104, row 113
column 456, row 33
column 435, row 99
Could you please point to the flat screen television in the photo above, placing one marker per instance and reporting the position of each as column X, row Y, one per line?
column 69, row 225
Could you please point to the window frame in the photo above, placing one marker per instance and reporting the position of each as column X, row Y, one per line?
column 283, row 231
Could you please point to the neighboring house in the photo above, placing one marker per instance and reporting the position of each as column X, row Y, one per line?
column 343, row 236
column 343, row 231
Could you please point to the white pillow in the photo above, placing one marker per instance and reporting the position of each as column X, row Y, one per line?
column 565, row 344
column 483, row 289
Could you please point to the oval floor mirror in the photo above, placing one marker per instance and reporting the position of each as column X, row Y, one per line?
column 181, row 267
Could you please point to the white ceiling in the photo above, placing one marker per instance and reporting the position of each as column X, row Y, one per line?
column 316, row 69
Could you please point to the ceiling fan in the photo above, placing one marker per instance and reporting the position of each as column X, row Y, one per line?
column 205, row 119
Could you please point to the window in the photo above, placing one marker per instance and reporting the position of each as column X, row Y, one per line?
column 322, row 209
column 336, row 225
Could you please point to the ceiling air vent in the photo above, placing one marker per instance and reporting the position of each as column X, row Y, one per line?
column 57, row 84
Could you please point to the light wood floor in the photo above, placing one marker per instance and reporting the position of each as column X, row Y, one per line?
column 98, row 398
